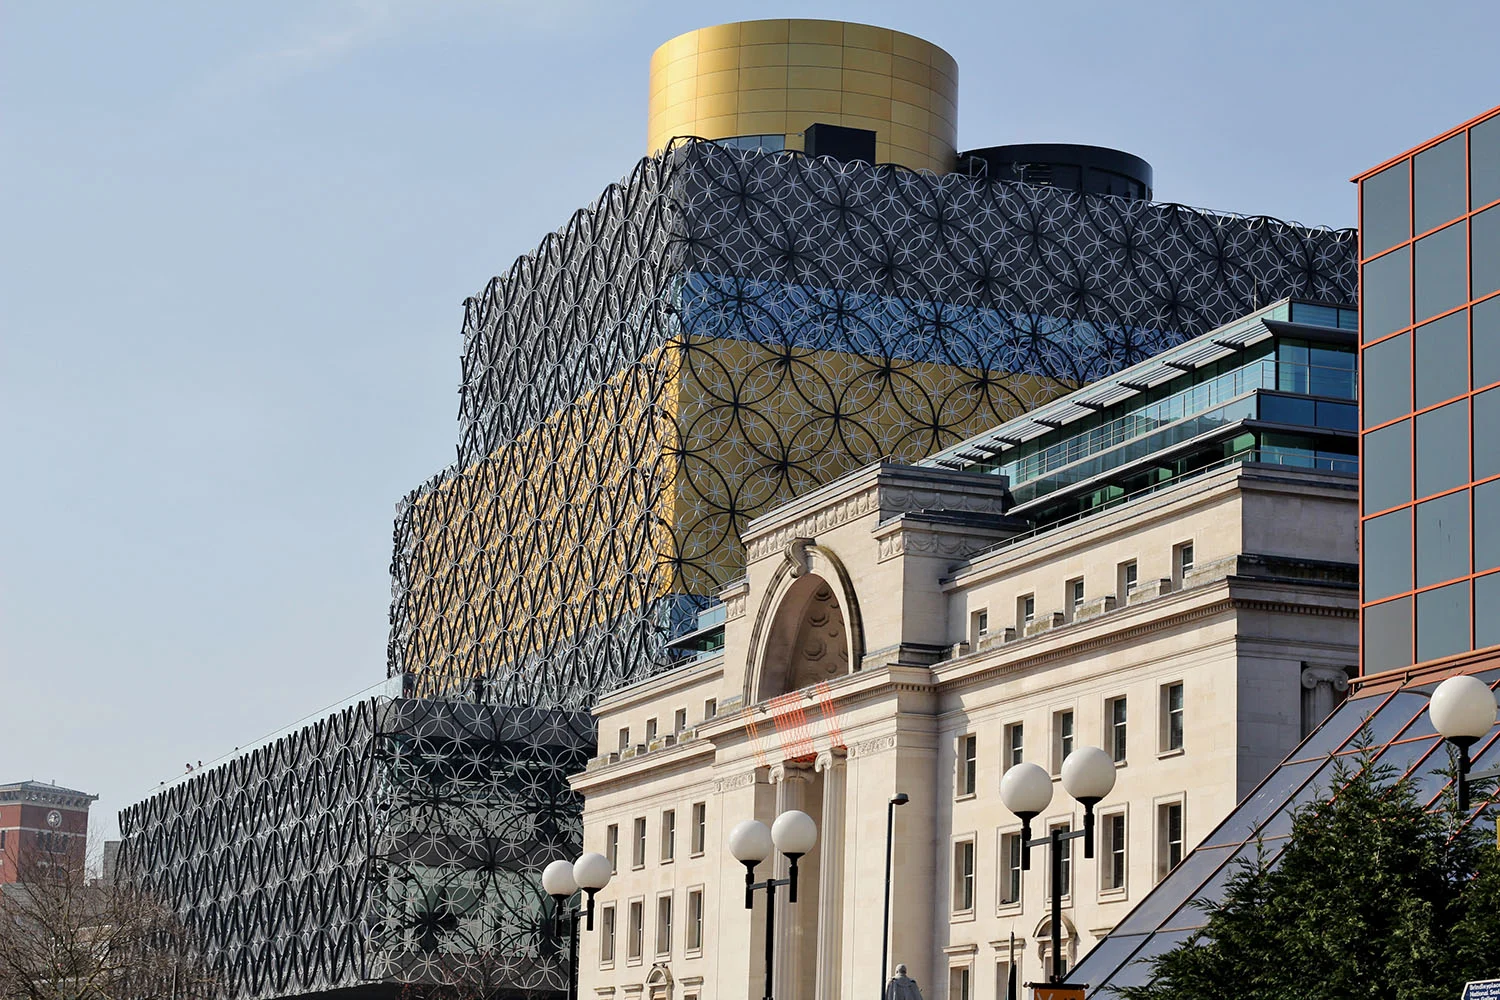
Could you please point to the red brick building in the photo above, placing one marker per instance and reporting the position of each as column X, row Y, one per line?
column 41, row 823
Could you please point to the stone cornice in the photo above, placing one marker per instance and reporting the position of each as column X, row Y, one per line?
column 1096, row 634
column 885, row 489
column 657, row 762
column 662, row 684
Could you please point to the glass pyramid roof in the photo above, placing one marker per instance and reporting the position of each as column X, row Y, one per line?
column 1401, row 735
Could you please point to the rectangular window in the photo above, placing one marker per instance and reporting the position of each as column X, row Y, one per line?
column 695, row 920
column 1062, row 738
column 1113, row 869
column 1171, row 717
column 1015, row 744
column 711, row 708
column 963, row 876
column 1127, row 580
column 1066, row 868
column 612, row 847
column 958, row 983
column 981, row 624
column 1010, row 861
column 635, row 933
column 1074, row 596
column 668, row 834
column 1182, row 562
column 650, row 731
column 663, row 925
column 1169, row 838
column 700, row 826
column 624, row 739
column 1002, row 981
column 607, row 935
column 1025, row 611
column 679, row 722
column 968, row 764
column 1114, row 714
column 638, row 848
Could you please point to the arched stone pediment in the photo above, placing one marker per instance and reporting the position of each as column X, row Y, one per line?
column 807, row 628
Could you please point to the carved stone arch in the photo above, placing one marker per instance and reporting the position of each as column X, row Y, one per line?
column 808, row 625
column 659, row 982
column 1043, row 939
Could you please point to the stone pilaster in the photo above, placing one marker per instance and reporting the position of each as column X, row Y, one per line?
column 791, row 780
column 831, row 873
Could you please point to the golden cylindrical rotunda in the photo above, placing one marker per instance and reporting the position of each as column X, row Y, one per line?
column 765, row 82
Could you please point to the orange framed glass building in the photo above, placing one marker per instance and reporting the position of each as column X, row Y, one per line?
column 1430, row 403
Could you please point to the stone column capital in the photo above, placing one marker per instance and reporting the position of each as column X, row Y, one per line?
column 830, row 758
column 789, row 771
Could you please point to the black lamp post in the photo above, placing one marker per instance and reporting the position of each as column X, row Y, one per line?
column 560, row 880
column 899, row 799
column 1088, row 775
column 1463, row 711
column 751, row 842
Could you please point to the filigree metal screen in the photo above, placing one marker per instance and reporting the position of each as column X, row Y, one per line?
column 397, row 841
column 726, row 329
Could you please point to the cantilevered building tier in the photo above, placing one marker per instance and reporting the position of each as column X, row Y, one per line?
column 730, row 327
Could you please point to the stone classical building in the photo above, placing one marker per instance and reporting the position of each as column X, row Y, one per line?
column 1168, row 574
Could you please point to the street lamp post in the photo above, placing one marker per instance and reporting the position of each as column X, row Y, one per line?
column 1462, row 710
column 751, row 842
column 1088, row 775
column 899, row 799
column 560, row 880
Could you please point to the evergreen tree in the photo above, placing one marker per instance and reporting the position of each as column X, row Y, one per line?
column 1373, row 897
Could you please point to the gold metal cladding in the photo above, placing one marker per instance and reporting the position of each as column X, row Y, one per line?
column 778, row 77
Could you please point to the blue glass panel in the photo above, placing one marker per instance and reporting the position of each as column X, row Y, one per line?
column 1183, row 881
column 1192, row 914
column 1487, row 611
column 1319, row 786
column 1337, row 728
column 1286, row 410
column 1387, row 633
column 1338, row 416
column 1263, row 802
column 1137, row 970
column 1108, row 955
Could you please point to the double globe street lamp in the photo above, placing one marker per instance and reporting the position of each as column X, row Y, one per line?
column 794, row 834
column 561, row 880
column 1462, row 711
column 1088, row 774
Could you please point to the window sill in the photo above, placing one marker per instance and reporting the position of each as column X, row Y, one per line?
column 638, row 868
column 667, row 861
column 695, row 854
column 606, row 966
column 965, row 797
column 693, row 953
column 1121, row 763
column 1113, row 895
column 1167, row 754
column 1009, row 909
column 961, row 917
column 633, row 962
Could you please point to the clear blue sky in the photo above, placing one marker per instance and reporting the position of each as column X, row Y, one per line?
column 234, row 240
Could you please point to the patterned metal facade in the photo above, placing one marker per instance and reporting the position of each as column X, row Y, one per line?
column 727, row 329
column 396, row 841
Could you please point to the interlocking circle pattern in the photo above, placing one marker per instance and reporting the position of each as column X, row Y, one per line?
column 399, row 841
column 726, row 329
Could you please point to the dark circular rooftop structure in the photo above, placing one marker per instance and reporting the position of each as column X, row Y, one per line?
column 1088, row 169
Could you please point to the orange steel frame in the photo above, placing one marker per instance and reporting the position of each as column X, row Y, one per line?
column 1461, row 661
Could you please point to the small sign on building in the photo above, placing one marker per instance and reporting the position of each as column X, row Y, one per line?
column 1482, row 989
column 1056, row 991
